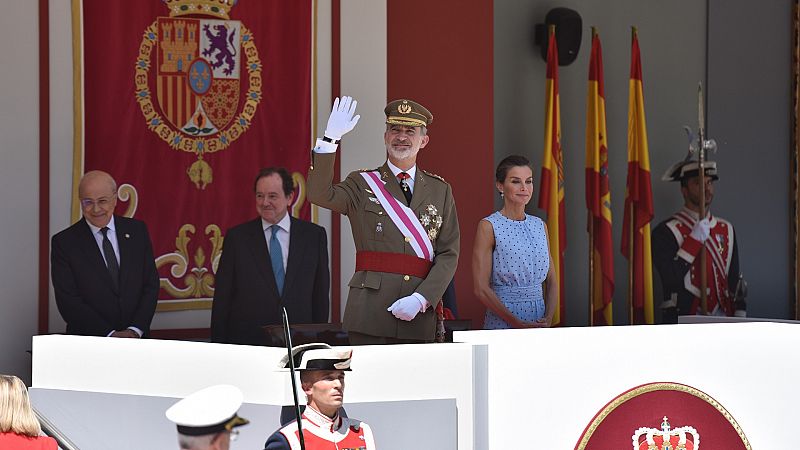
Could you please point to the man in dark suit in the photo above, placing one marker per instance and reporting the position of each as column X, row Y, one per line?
column 271, row 262
column 104, row 275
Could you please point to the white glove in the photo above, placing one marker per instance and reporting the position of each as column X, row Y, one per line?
column 701, row 230
column 406, row 308
column 341, row 120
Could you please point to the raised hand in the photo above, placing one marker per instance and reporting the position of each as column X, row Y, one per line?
column 341, row 120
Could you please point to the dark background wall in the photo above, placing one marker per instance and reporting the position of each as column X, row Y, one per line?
column 747, row 79
column 749, row 114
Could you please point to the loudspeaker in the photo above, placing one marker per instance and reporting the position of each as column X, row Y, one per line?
column 568, row 34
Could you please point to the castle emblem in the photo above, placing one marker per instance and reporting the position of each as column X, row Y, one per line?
column 198, row 80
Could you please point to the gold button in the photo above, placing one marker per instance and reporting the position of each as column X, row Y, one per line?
column 406, row 277
column 408, row 239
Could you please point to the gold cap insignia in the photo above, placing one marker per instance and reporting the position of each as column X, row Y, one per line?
column 407, row 113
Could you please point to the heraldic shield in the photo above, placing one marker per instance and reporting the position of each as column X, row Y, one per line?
column 198, row 80
column 686, row 415
column 197, row 86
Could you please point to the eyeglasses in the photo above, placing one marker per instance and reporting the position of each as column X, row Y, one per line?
column 102, row 202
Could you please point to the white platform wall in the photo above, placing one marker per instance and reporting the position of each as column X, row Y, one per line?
column 176, row 368
column 553, row 381
column 549, row 383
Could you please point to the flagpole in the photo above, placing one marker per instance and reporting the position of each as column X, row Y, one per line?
column 631, row 242
column 591, row 269
column 702, row 177
column 590, row 221
column 630, row 264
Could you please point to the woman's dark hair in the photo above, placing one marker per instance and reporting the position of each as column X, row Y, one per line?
column 507, row 163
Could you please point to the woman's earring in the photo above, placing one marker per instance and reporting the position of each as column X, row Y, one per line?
column 501, row 194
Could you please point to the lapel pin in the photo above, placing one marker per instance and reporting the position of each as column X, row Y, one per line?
column 127, row 236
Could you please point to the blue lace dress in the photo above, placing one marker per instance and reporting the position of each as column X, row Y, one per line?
column 520, row 262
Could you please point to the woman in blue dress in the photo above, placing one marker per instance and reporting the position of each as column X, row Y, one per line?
column 511, row 265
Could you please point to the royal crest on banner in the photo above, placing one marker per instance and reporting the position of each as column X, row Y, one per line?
column 200, row 68
column 169, row 102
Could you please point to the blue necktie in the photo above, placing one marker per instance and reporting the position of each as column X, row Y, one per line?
column 276, row 257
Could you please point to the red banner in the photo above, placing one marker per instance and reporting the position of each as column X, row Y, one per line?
column 663, row 415
column 183, row 101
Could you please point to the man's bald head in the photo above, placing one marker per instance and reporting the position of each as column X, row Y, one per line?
column 97, row 192
column 96, row 177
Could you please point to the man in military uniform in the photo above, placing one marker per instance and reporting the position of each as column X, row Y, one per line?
column 207, row 419
column 322, row 371
column 678, row 241
column 404, row 227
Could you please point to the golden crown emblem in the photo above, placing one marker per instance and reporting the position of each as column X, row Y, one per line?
column 216, row 8
column 682, row 438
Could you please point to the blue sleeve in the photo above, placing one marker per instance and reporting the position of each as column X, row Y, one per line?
column 277, row 442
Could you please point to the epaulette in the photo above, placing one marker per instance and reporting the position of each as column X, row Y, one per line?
column 433, row 175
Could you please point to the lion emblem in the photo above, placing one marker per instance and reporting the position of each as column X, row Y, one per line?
column 222, row 44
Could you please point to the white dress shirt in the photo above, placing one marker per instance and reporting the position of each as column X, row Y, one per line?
column 112, row 237
column 412, row 172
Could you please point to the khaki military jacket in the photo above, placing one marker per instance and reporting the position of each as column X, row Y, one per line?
column 372, row 292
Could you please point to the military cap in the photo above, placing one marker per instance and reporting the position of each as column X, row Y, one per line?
column 318, row 356
column 407, row 112
column 208, row 411
column 688, row 169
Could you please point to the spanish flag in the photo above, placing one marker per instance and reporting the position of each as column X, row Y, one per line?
column 638, row 201
column 551, row 191
column 598, row 196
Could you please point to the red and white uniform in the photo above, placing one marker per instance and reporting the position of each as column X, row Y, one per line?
column 719, row 251
column 323, row 433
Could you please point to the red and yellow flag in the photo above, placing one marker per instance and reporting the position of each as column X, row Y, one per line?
column 638, row 200
column 551, row 191
column 598, row 195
